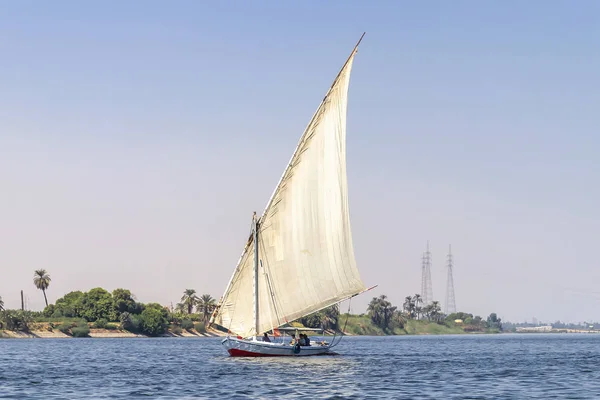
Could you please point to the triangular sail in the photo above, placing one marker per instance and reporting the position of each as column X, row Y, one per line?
column 305, row 241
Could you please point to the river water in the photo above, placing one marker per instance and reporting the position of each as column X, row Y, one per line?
column 509, row 366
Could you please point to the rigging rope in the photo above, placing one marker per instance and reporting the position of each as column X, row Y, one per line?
column 333, row 344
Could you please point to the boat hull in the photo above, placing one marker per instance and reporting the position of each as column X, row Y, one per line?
column 253, row 348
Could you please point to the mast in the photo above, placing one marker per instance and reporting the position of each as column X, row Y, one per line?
column 255, row 282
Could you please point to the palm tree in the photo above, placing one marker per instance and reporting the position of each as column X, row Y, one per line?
column 436, row 311
column 381, row 311
column 189, row 299
column 41, row 280
column 206, row 305
column 409, row 306
column 418, row 301
column 330, row 318
column 374, row 311
column 180, row 308
column 1, row 304
column 400, row 318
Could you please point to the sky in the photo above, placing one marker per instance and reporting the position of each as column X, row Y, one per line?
column 137, row 138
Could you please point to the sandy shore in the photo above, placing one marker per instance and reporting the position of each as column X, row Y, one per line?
column 100, row 333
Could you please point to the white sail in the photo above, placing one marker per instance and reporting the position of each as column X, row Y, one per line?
column 304, row 238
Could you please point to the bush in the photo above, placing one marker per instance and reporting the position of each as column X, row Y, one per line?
column 18, row 320
column 200, row 328
column 100, row 323
column 65, row 327
column 130, row 322
column 48, row 311
column 177, row 330
column 111, row 327
column 187, row 324
column 153, row 320
column 81, row 330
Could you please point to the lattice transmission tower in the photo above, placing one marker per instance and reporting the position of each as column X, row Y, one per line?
column 426, row 286
column 450, row 304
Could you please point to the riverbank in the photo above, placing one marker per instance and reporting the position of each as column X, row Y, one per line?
column 411, row 329
column 361, row 325
column 102, row 333
column 356, row 325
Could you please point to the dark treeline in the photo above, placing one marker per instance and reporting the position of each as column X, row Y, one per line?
column 388, row 317
column 119, row 309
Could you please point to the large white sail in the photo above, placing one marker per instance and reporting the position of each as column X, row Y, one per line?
column 304, row 238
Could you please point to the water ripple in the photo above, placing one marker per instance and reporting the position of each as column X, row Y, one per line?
column 452, row 367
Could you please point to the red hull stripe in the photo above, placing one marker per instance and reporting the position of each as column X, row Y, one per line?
column 244, row 353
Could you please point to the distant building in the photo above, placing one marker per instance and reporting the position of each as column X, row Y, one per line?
column 545, row 328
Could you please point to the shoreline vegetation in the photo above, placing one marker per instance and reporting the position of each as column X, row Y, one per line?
column 99, row 313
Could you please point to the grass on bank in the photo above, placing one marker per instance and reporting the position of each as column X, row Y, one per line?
column 362, row 325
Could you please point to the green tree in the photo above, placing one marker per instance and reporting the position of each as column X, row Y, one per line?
column 374, row 311
column 49, row 310
column 400, row 318
column 493, row 322
column 1, row 304
column 418, row 301
column 409, row 307
column 312, row 320
column 205, row 305
column 96, row 304
column 68, row 306
column 154, row 320
column 189, row 299
column 180, row 308
column 330, row 317
column 41, row 280
column 124, row 301
column 433, row 311
column 459, row 315
column 381, row 312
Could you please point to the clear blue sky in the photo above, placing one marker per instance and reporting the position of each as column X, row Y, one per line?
column 136, row 139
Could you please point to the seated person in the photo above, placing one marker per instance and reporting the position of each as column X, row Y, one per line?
column 303, row 339
column 306, row 340
column 266, row 338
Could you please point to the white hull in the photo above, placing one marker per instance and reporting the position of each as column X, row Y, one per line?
column 254, row 348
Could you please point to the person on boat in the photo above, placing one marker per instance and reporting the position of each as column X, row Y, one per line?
column 304, row 341
column 266, row 338
column 293, row 342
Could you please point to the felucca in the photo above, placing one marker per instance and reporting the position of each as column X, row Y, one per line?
column 299, row 257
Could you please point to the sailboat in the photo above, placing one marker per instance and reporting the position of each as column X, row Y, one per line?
column 299, row 257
